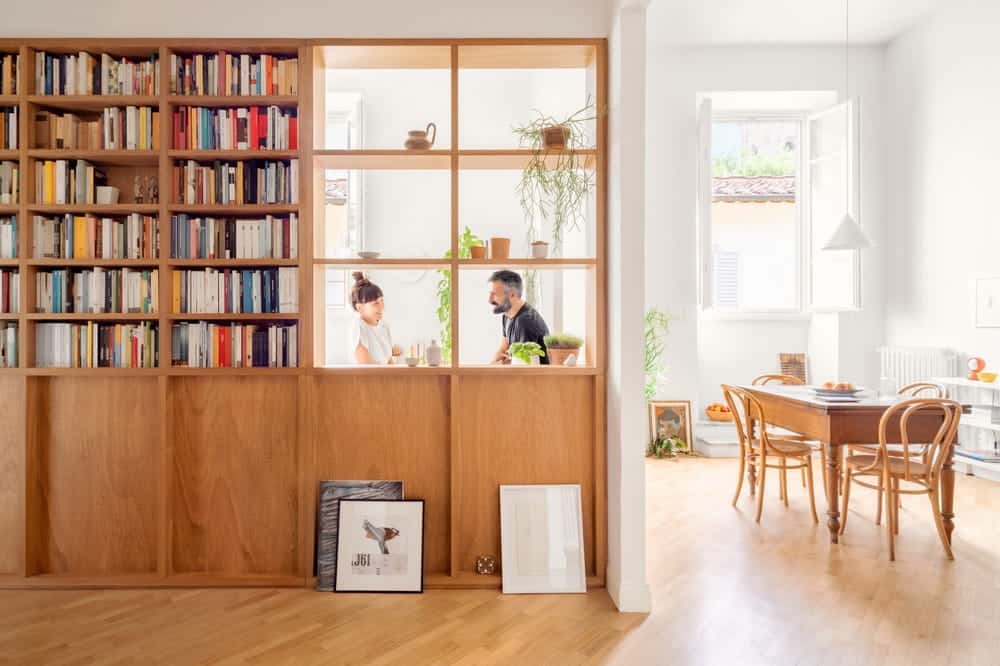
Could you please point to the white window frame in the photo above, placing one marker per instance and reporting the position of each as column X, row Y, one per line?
column 853, row 200
column 799, row 311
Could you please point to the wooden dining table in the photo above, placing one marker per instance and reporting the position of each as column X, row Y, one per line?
column 836, row 424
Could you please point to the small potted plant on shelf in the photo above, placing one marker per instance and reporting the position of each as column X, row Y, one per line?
column 539, row 249
column 526, row 353
column 564, row 349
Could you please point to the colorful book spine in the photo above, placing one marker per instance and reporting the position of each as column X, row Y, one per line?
column 224, row 73
column 230, row 183
column 8, row 345
column 67, row 182
column 8, row 127
column 117, row 128
column 8, row 237
column 237, row 291
column 10, row 291
column 96, row 345
column 97, row 290
column 87, row 74
column 249, row 128
column 10, row 67
column 269, row 237
column 10, row 182
column 86, row 237
column 210, row 345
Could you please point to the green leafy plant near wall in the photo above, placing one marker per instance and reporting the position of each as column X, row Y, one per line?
column 465, row 242
column 525, row 351
column 555, row 183
column 657, row 326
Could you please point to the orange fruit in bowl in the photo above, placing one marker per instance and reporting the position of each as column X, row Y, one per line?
column 828, row 385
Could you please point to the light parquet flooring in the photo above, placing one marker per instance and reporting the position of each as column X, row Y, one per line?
column 725, row 590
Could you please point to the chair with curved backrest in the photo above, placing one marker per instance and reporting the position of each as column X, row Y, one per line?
column 914, row 390
column 765, row 451
column 918, row 465
column 790, row 380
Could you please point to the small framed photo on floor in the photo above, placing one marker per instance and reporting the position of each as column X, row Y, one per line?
column 541, row 539
column 671, row 419
column 380, row 546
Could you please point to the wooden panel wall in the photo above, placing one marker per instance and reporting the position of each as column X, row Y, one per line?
column 234, row 476
column 12, row 475
column 97, row 475
column 519, row 430
column 388, row 428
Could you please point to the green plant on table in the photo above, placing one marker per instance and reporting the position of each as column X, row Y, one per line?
column 555, row 183
column 525, row 351
column 657, row 326
column 465, row 242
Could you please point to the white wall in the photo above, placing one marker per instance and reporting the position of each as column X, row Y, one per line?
column 944, row 140
column 306, row 18
column 701, row 356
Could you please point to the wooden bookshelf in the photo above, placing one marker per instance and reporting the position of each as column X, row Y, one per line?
column 204, row 477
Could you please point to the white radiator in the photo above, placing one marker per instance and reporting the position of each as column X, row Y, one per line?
column 916, row 364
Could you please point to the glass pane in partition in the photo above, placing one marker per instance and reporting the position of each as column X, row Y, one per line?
column 501, row 88
column 411, row 300
column 509, row 203
column 376, row 95
column 394, row 212
column 563, row 297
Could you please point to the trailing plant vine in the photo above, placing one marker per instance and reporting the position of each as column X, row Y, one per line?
column 555, row 184
column 465, row 242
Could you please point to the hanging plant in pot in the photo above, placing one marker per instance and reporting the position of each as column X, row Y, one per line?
column 555, row 182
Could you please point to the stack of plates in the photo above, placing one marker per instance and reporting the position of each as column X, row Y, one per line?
column 833, row 395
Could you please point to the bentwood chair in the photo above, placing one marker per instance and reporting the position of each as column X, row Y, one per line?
column 791, row 380
column 765, row 451
column 915, row 469
column 915, row 390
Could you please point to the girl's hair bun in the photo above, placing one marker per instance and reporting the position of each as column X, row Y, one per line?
column 359, row 278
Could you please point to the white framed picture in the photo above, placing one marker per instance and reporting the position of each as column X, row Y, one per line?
column 380, row 546
column 541, row 539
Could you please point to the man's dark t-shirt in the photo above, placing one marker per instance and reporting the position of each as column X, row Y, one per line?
column 526, row 326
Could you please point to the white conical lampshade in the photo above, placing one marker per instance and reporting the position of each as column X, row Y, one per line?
column 848, row 236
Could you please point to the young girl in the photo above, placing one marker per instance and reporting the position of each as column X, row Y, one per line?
column 369, row 338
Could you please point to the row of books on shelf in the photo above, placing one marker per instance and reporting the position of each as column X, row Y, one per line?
column 241, row 182
column 87, row 237
column 261, row 290
column 8, row 237
column 8, row 127
column 96, row 345
column 8, row 345
column 105, row 290
column 10, row 290
column 67, row 181
column 209, row 345
column 10, row 183
column 116, row 128
column 10, row 65
column 224, row 73
column 251, row 128
column 270, row 237
column 86, row 74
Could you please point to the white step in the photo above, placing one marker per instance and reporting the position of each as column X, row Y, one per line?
column 716, row 439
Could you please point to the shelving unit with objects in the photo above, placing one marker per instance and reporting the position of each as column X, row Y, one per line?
column 978, row 432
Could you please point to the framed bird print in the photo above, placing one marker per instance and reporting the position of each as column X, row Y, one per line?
column 380, row 546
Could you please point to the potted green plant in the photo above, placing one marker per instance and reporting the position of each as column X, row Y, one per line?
column 561, row 347
column 466, row 242
column 526, row 353
column 555, row 182
column 664, row 447
column 657, row 325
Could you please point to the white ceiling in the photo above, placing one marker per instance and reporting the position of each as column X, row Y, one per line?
column 780, row 21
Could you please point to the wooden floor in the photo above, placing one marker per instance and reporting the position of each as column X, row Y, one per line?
column 726, row 591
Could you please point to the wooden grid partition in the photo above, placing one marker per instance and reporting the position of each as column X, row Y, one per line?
column 178, row 476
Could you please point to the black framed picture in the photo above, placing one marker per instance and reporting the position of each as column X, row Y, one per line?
column 380, row 546
column 328, row 517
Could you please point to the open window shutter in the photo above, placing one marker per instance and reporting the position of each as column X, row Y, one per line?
column 704, row 202
column 833, row 136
